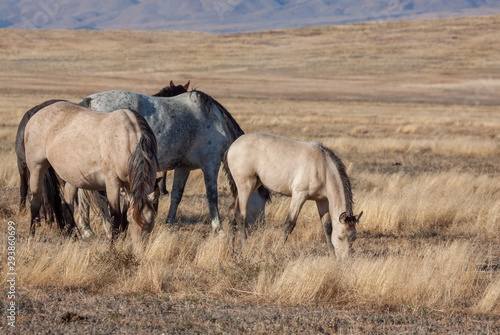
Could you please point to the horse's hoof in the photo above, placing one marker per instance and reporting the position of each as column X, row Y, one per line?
column 221, row 233
column 86, row 234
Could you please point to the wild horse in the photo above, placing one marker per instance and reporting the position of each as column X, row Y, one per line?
column 300, row 170
column 193, row 131
column 94, row 151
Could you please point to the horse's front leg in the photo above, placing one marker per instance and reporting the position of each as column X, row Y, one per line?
column 113, row 192
column 163, row 184
column 180, row 179
column 324, row 215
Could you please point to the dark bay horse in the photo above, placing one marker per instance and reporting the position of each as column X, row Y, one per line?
column 193, row 131
column 300, row 170
column 95, row 151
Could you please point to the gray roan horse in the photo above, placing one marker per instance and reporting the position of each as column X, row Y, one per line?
column 95, row 151
column 170, row 91
column 193, row 131
column 301, row 170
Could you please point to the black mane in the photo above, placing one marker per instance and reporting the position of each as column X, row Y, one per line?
column 346, row 183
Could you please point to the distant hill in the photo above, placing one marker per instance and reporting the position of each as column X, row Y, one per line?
column 225, row 15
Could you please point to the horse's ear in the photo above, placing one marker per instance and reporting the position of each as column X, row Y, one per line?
column 357, row 217
column 172, row 84
column 154, row 199
column 186, row 87
column 342, row 217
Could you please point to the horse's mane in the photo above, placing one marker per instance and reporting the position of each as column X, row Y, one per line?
column 346, row 183
column 142, row 162
column 208, row 102
column 235, row 131
column 170, row 91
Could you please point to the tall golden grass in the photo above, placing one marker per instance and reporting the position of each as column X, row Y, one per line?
column 186, row 264
column 445, row 202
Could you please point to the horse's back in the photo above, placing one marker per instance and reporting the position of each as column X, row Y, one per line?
column 74, row 140
column 282, row 164
column 182, row 125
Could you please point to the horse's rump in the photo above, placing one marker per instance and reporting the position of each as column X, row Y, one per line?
column 50, row 188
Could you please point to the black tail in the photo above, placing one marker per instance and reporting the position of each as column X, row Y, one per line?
column 52, row 193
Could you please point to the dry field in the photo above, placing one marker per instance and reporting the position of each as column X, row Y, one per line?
column 412, row 108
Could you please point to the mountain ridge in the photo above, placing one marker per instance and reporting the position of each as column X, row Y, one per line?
column 225, row 16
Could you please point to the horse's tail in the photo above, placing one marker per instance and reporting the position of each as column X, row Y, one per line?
column 143, row 164
column 52, row 193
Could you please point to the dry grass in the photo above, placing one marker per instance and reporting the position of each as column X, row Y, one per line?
column 447, row 202
column 424, row 165
column 187, row 264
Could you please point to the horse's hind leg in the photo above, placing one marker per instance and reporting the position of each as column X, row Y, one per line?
column 180, row 179
column 210, row 174
column 235, row 220
column 245, row 190
column 293, row 213
column 36, row 179
column 324, row 215
column 69, row 206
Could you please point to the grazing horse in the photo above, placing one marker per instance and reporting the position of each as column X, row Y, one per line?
column 51, row 206
column 300, row 170
column 193, row 131
column 170, row 91
column 95, row 151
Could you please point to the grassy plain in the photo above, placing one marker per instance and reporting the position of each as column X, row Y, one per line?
column 413, row 110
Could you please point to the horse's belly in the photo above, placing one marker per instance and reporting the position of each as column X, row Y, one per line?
column 95, row 182
column 81, row 176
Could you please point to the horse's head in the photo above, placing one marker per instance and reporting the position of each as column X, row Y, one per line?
column 344, row 234
column 141, row 213
column 172, row 90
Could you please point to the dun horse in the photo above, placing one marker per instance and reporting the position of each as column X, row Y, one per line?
column 51, row 207
column 95, row 151
column 300, row 170
column 193, row 131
